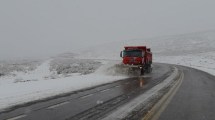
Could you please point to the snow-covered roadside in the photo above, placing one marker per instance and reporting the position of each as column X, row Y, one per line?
column 201, row 61
column 37, row 84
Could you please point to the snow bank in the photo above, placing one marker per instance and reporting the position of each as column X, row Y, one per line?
column 201, row 61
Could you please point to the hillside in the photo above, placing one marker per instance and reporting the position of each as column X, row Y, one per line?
column 195, row 50
column 175, row 45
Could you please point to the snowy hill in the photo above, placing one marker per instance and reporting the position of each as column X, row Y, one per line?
column 184, row 44
column 193, row 49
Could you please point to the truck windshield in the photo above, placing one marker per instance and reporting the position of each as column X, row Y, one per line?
column 132, row 53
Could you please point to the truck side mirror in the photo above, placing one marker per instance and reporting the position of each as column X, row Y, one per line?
column 148, row 49
column 121, row 54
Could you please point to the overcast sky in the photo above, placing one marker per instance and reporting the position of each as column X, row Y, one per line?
column 37, row 28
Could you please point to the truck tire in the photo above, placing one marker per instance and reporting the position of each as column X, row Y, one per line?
column 149, row 68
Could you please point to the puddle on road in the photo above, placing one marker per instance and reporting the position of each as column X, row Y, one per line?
column 141, row 81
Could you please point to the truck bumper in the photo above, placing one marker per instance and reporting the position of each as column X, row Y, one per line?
column 132, row 66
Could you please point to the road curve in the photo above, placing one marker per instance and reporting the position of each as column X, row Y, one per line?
column 194, row 99
column 88, row 104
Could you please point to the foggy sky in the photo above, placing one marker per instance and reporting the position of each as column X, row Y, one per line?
column 38, row 28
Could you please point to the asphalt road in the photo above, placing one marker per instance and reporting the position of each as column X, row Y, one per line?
column 91, row 103
column 194, row 100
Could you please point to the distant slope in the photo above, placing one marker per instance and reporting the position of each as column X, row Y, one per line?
column 184, row 44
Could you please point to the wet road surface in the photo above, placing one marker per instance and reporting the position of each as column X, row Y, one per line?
column 89, row 104
column 194, row 100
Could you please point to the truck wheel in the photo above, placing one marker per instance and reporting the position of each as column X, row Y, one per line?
column 149, row 69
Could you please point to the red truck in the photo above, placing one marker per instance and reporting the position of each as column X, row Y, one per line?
column 137, row 57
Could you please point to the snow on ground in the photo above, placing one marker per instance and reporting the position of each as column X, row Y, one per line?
column 40, row 73
column 202, row 61
column 9, row 66
column 37, row 84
